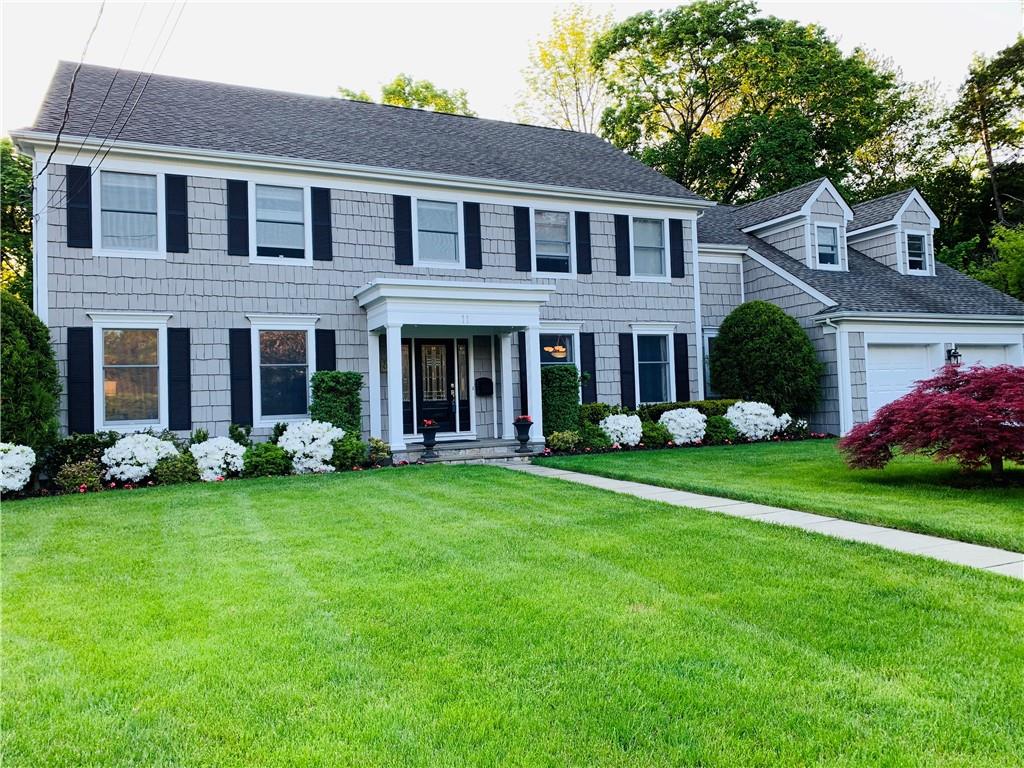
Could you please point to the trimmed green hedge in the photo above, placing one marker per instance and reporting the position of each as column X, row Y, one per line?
column 337, row 399
column 653, row 411
column 560, row 397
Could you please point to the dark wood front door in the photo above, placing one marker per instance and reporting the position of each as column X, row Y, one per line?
column 435, row 382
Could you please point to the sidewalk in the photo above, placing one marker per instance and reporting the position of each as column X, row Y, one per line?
column 973, row 555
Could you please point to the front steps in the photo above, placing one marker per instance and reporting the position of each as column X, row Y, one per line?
column 471, row 452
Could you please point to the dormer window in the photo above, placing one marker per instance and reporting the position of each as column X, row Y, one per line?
column 917, row 254
column 828, row 246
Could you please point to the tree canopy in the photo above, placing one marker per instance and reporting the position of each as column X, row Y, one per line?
column 403, row 91
column 16, row 222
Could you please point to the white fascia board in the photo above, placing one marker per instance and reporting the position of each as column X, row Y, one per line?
column 763, row 225
column 872, row 231
column 805, row 209
column 200, row 162
column 896, row 220
column 791, row 278
column 921, row 318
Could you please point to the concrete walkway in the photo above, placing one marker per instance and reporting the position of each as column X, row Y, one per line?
column 973, row 555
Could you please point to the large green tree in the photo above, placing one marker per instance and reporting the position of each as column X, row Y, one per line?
column 737, row 106
column 16, row 222
column 403, row 91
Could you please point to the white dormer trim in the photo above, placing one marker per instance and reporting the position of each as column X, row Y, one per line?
column 914, row 196
column 805, row 209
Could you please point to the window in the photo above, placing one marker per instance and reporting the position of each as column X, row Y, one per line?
column 437, row 225
column 916, row 254
column 653, row 368
column 710, row 338
column 557, row 349
column 284, row 372
column 131, row 376
column 828, row 246
column 280, row 228
column 552, row 242
column 128, row 218
column 649, row 248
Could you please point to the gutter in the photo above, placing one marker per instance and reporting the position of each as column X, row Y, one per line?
column 830, row 318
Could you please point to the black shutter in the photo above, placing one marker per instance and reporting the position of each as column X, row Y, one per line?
column 622, row 245
column 326, row 351
column 583, row 265
column 240, row 351
column 320, row 208
column 471, row 225
column 179, row 379
column 681, row 355
column 176, row 203
column 677, row 258
column 79, row 197
column 402, row 205
column 524, row 402
column 524, row 249
column 627, row 370
column 238, row 220
column 588, row 367
column 80, row 385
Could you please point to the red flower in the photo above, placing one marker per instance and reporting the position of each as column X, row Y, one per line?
column 220, row 478
column 428, row 423
column 524, row 419
column 83, row 488
column 129, row 487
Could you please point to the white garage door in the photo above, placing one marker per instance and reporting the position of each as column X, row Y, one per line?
column 984, row 354
column 893, row 369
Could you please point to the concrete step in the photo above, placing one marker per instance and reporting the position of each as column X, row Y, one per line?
column 498, row 451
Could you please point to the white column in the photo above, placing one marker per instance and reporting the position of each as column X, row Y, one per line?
column 373, row 340
column 533, row 382
column 396, row 435
column 494, row 390
column 507, row 433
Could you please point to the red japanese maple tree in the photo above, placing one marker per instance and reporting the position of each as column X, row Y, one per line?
column 974, row 415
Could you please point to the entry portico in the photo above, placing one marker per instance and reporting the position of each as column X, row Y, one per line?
column 428, row 328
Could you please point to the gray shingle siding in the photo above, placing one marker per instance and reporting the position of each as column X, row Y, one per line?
column 858, row 377
column 721, row 291
column 792, row 241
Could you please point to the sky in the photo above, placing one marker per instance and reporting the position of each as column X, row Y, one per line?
column 480, row 46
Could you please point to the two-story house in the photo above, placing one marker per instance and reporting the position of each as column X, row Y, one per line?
column 201, row 249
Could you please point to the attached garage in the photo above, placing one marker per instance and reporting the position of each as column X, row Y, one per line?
column 986, row 354
column 893, row 369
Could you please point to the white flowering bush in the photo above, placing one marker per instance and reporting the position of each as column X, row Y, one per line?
column 686, row 425
column 217, row 458
column 16, row 462
column 756, row 421
column 133, row 457
column 311, row 445
column 622, row 429
column 784, row 421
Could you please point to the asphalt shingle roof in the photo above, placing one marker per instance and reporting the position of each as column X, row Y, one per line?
column 227, row 118
column 872, row 212
column 869, row 286
column 777, row 205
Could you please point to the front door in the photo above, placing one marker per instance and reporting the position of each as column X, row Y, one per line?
column 435, row 379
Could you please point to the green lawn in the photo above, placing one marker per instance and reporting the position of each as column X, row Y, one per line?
column 451, row 616
column 912, row 493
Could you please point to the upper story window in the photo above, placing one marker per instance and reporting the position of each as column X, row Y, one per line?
column 552, row 241
column 131, row 376
column 652, row 368
column 649, row 248
column 283, row 372
column 828, row 246
column 128, row 217
column 280, row 222
column 917, row 256
column 437, row 225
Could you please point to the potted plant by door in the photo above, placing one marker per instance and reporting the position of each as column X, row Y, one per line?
column 428, row 428
column 523, row 424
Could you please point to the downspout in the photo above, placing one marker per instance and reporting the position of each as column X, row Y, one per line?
column 843, row 374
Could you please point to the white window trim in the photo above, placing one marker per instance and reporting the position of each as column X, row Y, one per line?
column 927, row 252
column 97, row 214
column 572, row 241
column 665, row 331
column 102, row 321
column 460, row 245
column 259, row 323
column 665, row 258
column 571, row 330
column 838, row 266
column 708, row 335
column 307, row 226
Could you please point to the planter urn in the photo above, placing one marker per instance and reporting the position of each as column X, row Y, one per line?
column 523, row 436
column 429, row 441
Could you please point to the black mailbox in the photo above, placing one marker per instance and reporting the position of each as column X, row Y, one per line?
column 484, row 387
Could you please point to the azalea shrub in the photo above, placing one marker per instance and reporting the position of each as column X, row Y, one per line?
column 16, row 462
column 719, row 431
column 756, row 421
column 654, row 434
column 179, row 468
column 685, row 425
column 974, row 416
column 565, row 441
column 133, row 457
column 218, row 458
column 622, row 429
column 310, row 444
column 80, row 476
column 266, row 460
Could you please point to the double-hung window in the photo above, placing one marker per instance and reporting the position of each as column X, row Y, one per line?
column 649, row 248
column 917, row 260
column 828, row 246
column 437, row 225
column 128, row 211
column 131, row 375
column 280, row 222
column 283, row 373
column 653, row 368
column 552, row 241
column 557, row 349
